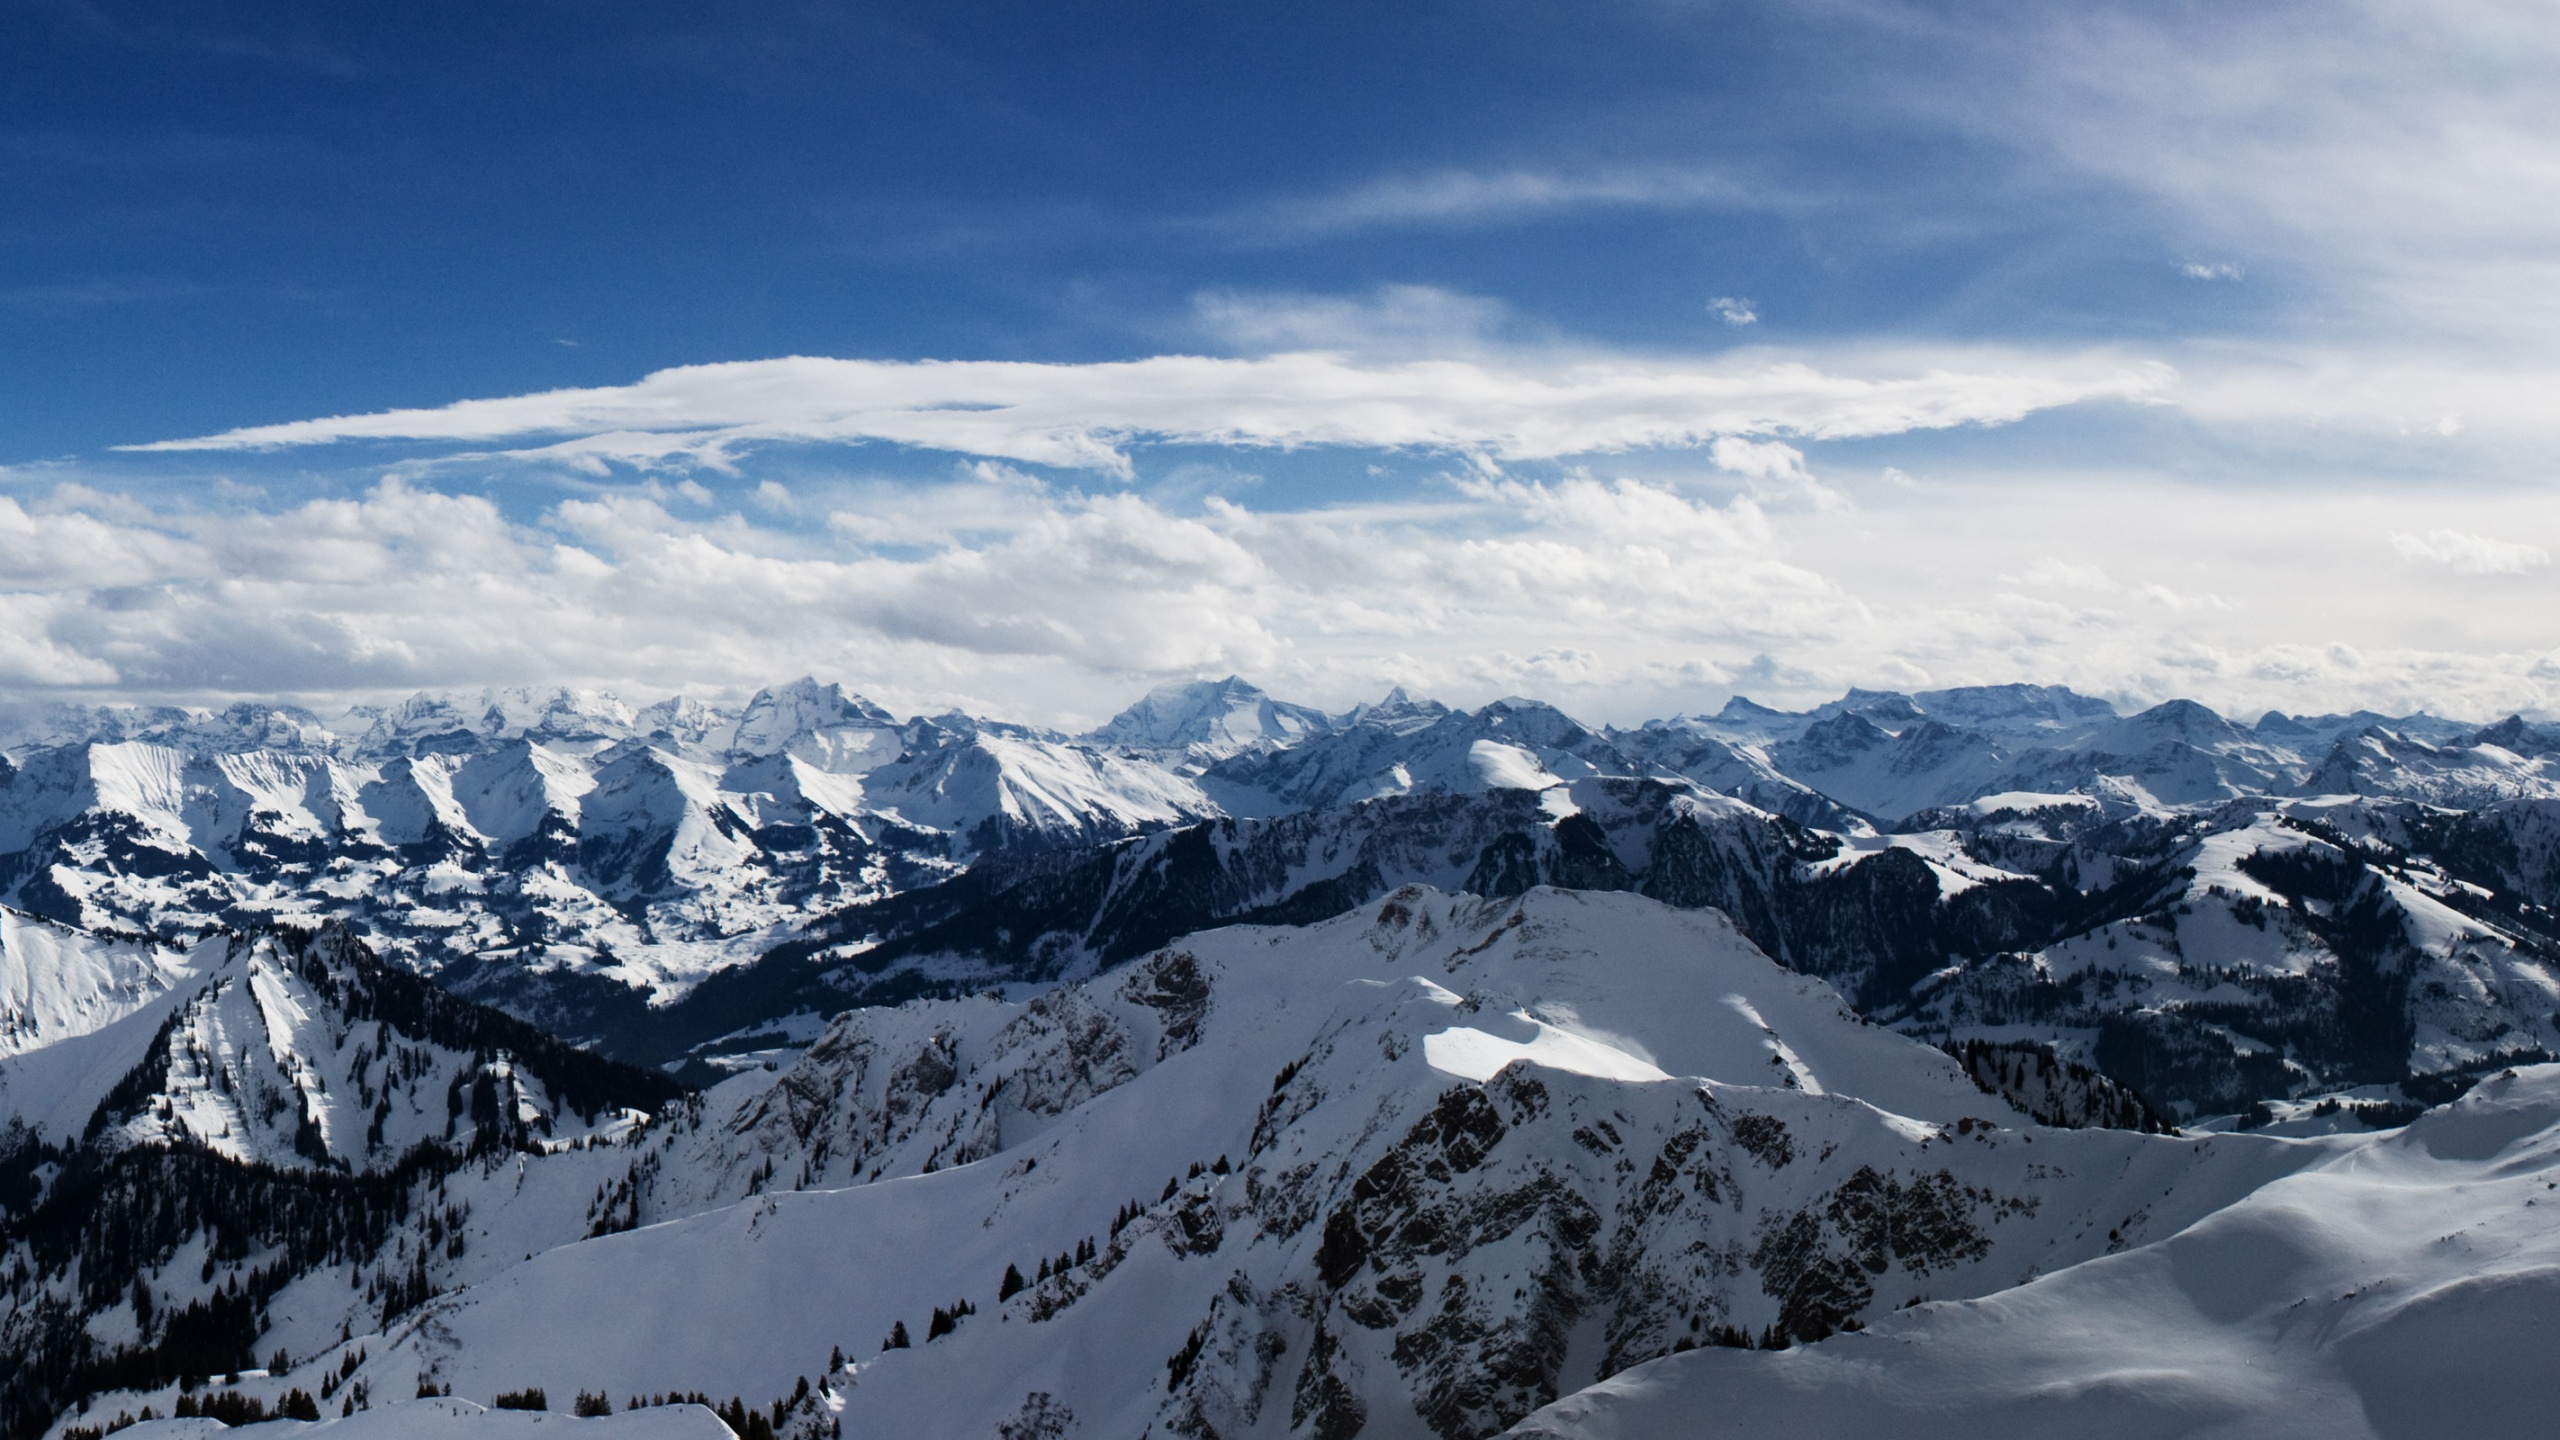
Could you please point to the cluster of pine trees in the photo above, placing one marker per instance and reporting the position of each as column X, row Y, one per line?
column 2057, row 1092
column 228, row 1406
column 946, row 1321
column 233, row 1408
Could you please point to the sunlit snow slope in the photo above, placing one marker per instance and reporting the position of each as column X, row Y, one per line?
column 1412, row 1172
column 2401, row 1288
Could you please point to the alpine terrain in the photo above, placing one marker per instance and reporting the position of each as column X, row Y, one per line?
column 1972, row 1062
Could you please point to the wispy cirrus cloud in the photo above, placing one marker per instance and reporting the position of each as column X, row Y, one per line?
column 2470, row 554
column 1086, row 416
column 1456, row 196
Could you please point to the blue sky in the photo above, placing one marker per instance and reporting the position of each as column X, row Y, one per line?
column 1623, row 354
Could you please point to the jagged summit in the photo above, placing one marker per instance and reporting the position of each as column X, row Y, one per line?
column 1400, row 712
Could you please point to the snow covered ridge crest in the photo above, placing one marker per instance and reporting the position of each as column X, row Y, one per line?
column 564, row 832
column 1416, row 1170
column 659, row 880
column 1437, row 1166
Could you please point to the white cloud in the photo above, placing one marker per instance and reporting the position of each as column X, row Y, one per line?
column 1777, row 472
column 1476, row 197
column 1013, row 595
column 2470, row 554
column 1762, row 459
column 1394, row 320
column 2199, row 270
column 996, row 590
column 1733, row 310
column 2400, row 157
column 1086, row 416
column 2053, row 571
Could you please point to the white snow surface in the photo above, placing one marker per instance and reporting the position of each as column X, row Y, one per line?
column 2398, row 1288
column 57, row 982
column 655, row 845
column 1585, row 1117
column 961, row 1137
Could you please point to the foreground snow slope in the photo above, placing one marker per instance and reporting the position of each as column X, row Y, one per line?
column 1411, row 1172
column 2406, row 1286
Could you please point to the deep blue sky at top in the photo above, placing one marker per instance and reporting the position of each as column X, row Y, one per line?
column 228, row 214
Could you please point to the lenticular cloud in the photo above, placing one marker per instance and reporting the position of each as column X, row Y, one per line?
column 1084, row 416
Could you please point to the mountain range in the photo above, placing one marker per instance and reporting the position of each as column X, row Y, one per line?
column 1238, row 1068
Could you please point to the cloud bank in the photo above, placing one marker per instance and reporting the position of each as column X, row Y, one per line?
column 1031, row 599
column 1085, row 416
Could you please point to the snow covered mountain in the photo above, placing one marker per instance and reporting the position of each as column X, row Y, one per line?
column 1187, row 728
column 1436, row 1166
column 1399, row 749
column 2266, row 951
column 680, row 879
column 539, row 832
column 2391, row 1289
column 1417, row 1170
column 2507, row 761
column 174, row 1182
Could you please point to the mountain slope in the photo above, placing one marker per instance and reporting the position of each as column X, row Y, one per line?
column 1306, row 1133
column 57, row 982
column 2402, row 1287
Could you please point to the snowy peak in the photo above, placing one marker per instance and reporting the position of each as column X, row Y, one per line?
column 1428, row 1166
column 2018, row 714
column 820, row 723
column 2181, row 722
column 243, row 726
column 1699, row 752
column 1890, row 709
column 2516, row 737
column 2275, row 1315
column 2309, row 733
column 2052, row 713
column 1192, row 726
column 995, row 791
column 1834, row 743
column 1399, row 713
column 1853, row 761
